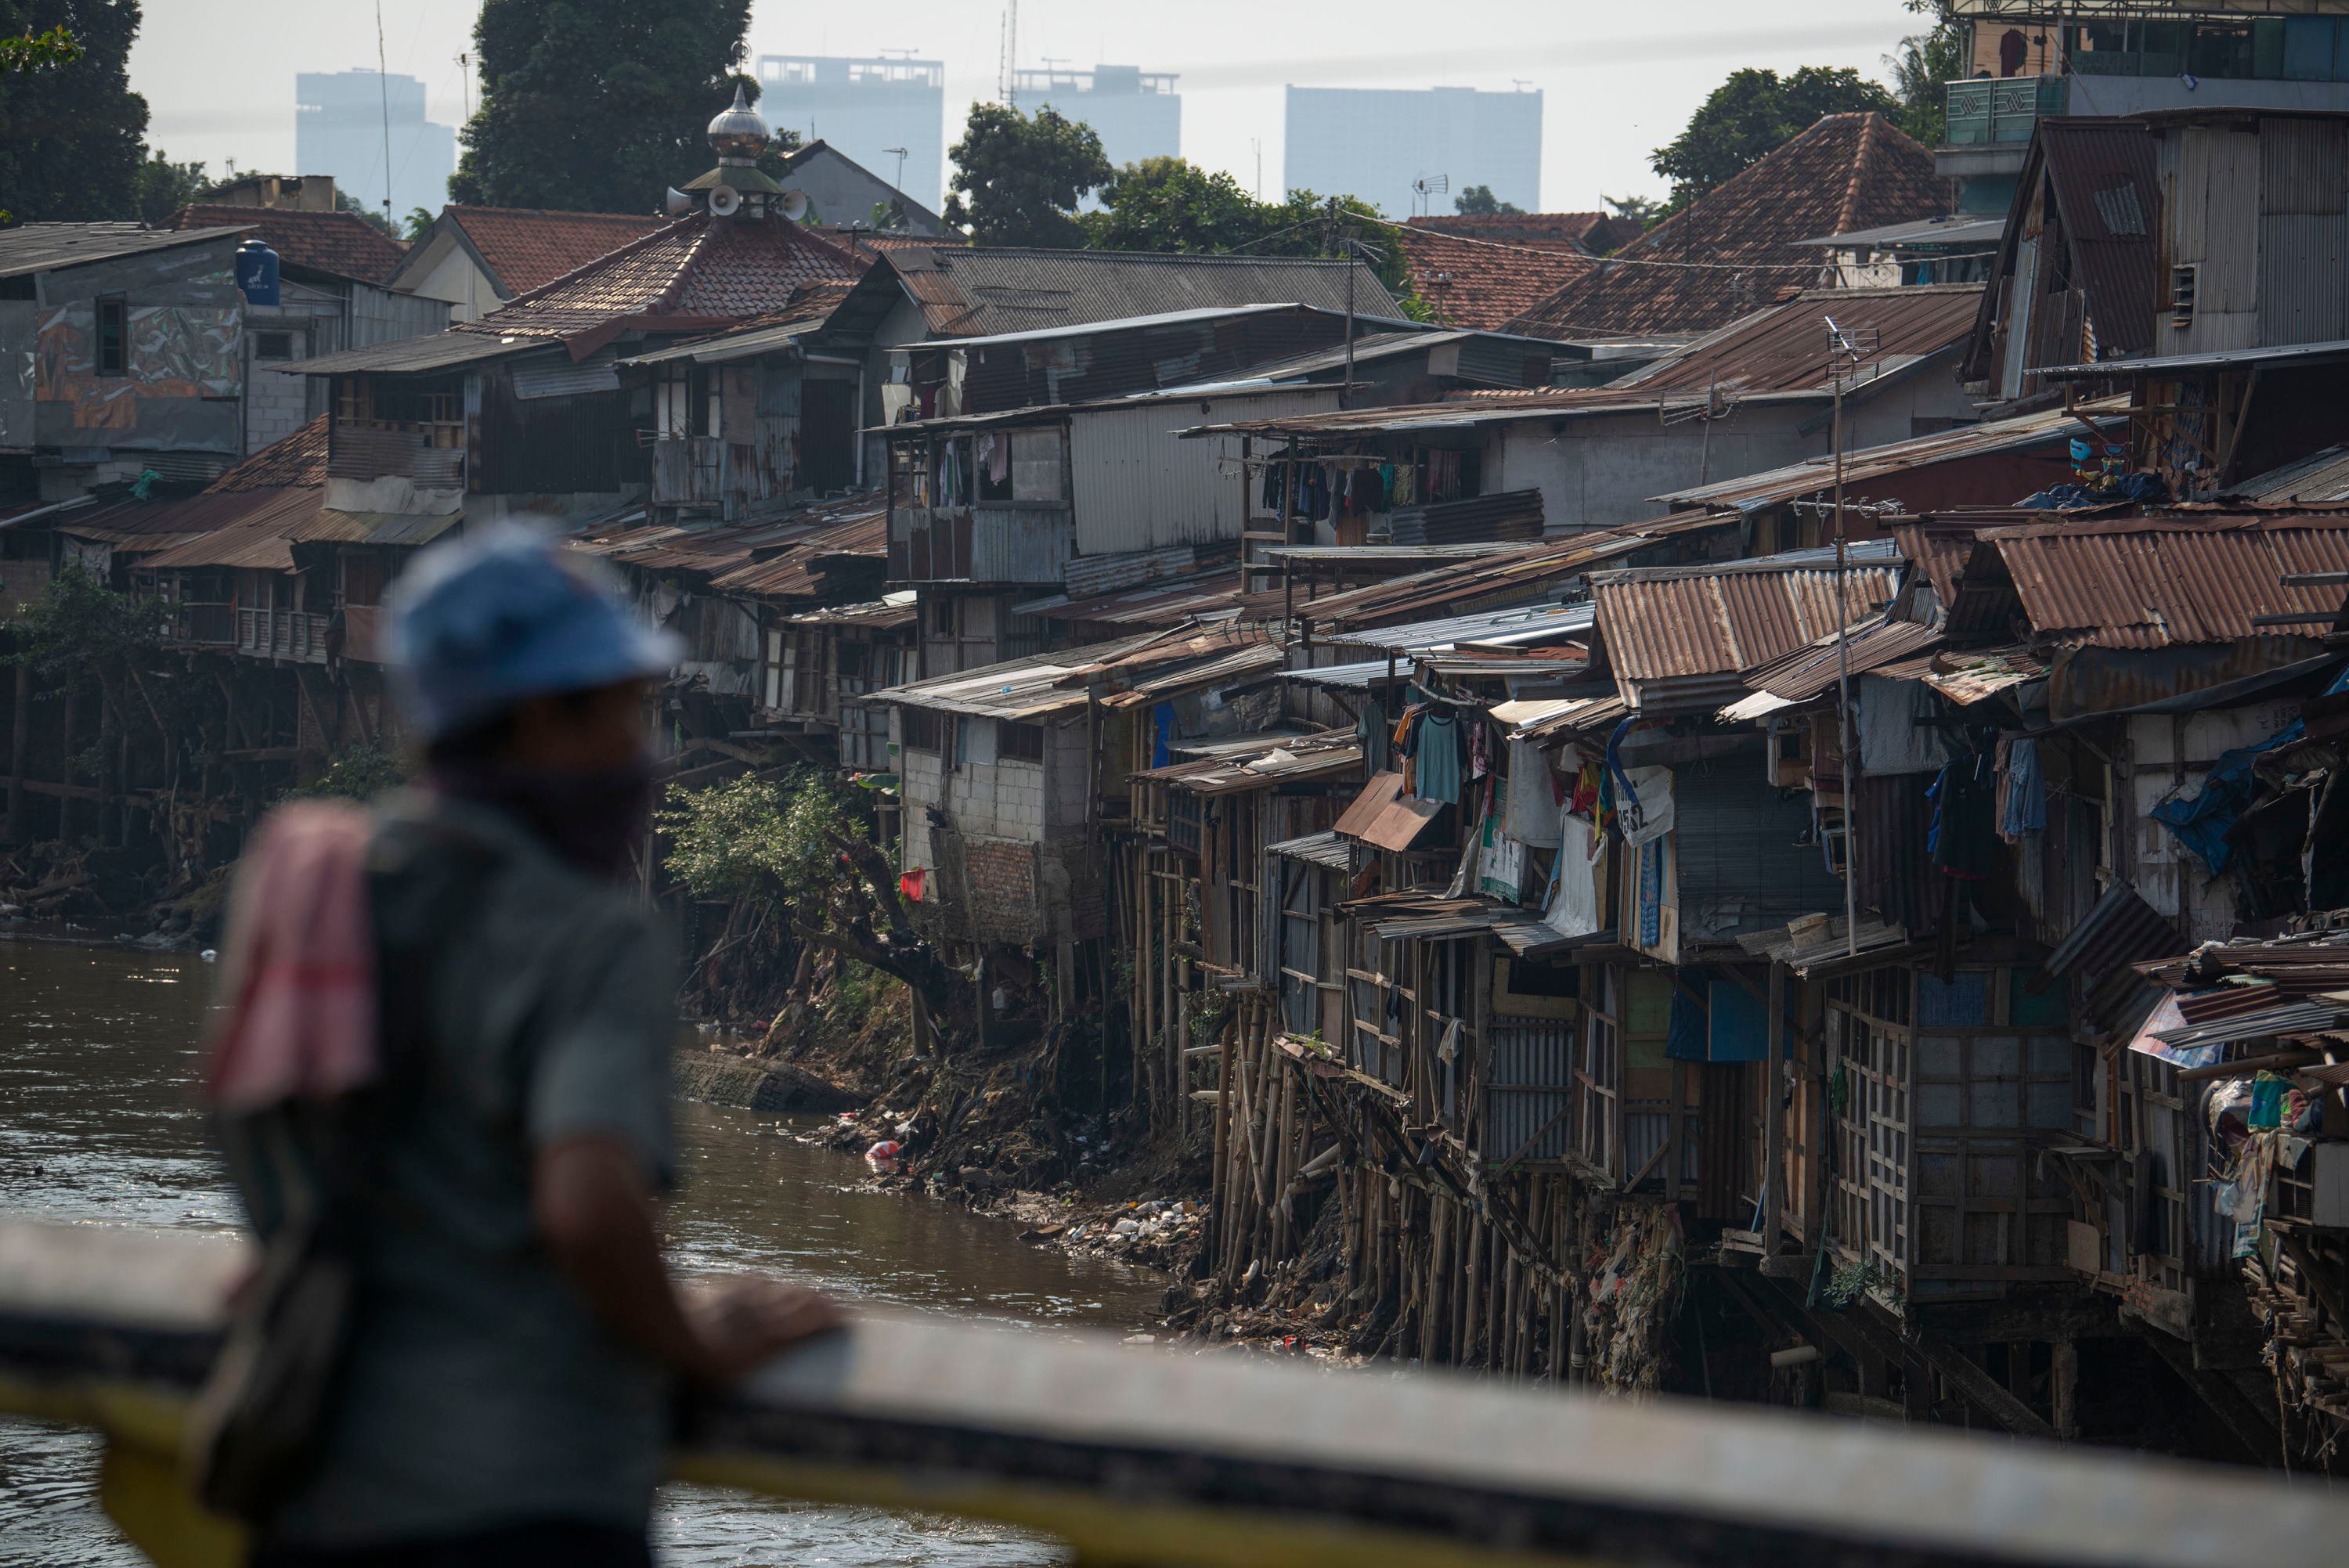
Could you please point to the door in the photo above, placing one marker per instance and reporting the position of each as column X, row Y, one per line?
column 828, row 435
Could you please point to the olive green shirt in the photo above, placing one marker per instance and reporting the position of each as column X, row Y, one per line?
column 481, row 1389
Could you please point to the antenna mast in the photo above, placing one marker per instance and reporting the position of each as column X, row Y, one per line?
column 1006, row 87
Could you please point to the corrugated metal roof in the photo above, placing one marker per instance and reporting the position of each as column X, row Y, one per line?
column 1384, row 816
column 37, row 247
column 1533, row 624
column 1816, row 668
column 1349, row 677
column 1135, row 670
column 967, row 291
column 1731, row 616
column 1786, row 348
column 1815, row 476
column 257, row 539
column 2141, row 583
column 1962, row 228
column 374, row 527
column 1203, row 595
column 1272, row 760
column 1322, row 849
column 2210, row 359
column 414, row 356
column 2316, row 480
column 133, row 525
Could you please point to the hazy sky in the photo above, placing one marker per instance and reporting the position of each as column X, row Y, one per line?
column 1617, row 78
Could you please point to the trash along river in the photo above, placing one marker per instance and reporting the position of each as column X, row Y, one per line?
column 98, row 1126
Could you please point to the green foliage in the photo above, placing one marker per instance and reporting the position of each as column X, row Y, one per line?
column 1753, row 113
column 346, row 202
column 596, row 106
column 165, row 187
column 417, row 224
column 80, row 630
column 1479, row 201
column 1018, row 178
column 39, row 51
column 1645, row 211
column 1925, row 61
column 758, row 840
column 1170, row 204
column 354, row 773
column 70, row 127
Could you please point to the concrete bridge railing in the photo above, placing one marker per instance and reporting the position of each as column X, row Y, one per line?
column 1164, row 1458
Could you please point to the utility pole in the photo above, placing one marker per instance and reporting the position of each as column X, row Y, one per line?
column 1839, row 351
column 383, row 84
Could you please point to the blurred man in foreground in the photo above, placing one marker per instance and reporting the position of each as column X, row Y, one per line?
column 444, row 1085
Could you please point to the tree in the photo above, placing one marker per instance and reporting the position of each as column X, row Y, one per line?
column 1926, row 61
column 793, row 851
column 165, row 187
column 596, row 106
column 1479, row 201
column 418, row 223
column 1168, row 204
column 346, row 202
column 1644, row 210
column 1019, row 177
column 1753, row 113
column 70, row 127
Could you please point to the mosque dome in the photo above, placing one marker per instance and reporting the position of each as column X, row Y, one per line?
column 739, row 133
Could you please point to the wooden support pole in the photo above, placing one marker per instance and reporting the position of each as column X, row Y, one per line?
column 20, row 747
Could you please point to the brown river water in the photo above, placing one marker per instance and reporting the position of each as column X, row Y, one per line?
column 98, row 1127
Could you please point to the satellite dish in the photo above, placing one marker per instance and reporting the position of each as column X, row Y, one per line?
column 678, row 203
column 796, row 205
column 724, row 201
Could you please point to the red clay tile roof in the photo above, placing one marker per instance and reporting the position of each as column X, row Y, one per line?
column 299, row 460
column 342, row 243
column 717, row 269
column 1590, row 232
column 1733, row 247
column 528, row 248
column 1483, row 284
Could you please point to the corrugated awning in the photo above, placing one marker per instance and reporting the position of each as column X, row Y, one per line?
column 1384, row 815
column 1322, row 849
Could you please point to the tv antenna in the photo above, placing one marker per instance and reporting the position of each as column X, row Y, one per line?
column 1428, row 185
column 1005, row 88
column 899, row 154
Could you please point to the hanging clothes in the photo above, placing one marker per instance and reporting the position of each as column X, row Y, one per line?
column 2022, row 788
column 1531, row 807
column 1406, row 486
column 1964, row 836
column 1480, row 762
column 1386, row 487
column 1437, row 753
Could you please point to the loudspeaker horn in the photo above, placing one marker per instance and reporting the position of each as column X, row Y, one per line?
column 796, row 206
column 724, row 201
column 678, row 203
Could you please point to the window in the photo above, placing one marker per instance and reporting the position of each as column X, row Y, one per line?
column 941, row 616
column 113, row 336
column 273, row 346
column 1018, row 742
column 2182, row 279
column 921, row 728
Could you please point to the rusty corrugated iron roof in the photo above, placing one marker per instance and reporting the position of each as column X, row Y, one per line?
column 1786, row 348
column 1727, row 617
column 256, row 538
column 2146, row 582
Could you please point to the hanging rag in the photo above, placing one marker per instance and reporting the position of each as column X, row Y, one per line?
column 1532, row 811
column 2022, row 788
column 998, row 460
column 298, row 960
column 1437, row 752
column 1363, row 489
column 1479, row 762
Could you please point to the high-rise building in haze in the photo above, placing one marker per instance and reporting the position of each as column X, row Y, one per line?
column 1374, row 142
column 866, row 108
column 340, row 121
column 1137, row 113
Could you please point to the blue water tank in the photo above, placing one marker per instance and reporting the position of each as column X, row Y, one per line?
column 256, row 272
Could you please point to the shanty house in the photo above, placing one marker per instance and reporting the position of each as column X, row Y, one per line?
column 131, row 348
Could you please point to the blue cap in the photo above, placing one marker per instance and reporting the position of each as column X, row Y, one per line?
column 483, row 623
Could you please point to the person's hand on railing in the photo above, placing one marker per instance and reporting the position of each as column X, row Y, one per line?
column 744, row 1324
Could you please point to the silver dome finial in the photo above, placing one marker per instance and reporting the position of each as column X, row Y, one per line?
column 739, row 135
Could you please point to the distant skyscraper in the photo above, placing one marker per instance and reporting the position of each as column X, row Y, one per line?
column 1138, row 114
column 339, row 130
column 1374, row 142
column 867, row 110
